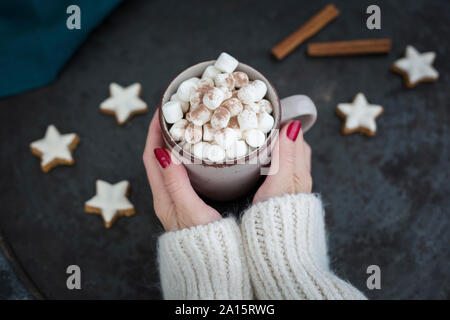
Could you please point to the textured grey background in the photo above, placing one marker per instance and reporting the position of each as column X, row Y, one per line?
column 10, row 285
column 387, row 196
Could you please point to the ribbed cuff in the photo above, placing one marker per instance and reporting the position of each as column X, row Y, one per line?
column 204, row 262
column 284, row 242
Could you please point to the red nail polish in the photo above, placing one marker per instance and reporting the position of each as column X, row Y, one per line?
column 293, row 130
column 163, row 157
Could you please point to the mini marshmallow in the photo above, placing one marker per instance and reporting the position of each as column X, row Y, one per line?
column 195, row 100
column 246, row 94
column 265, row 105
column 227, row 94
column 177, row 129
column 215, row 153
column 193, row 133
column 187, row 146
column 200, row 116
column 172, row 111
column 237, row 150
column 187, row 88
column 220, row 118
column 200, row 148
column 213, row 98
column 261, row 89
column 233, row 105
column 210, row 72
column 205, row 83
column 253, row 92
column 208, row 132
column 265, row 122
column 184, row 104
column 226, row 63
column 224, row 80
column 234, row 124
column 253, row 106
column 225, row 137
column 240, row 79
column 247, row 120
column 255, row 138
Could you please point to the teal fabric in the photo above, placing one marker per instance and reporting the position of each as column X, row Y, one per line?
column 35, row 42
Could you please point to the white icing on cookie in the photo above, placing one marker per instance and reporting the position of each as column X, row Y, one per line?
column 54, row 146
column 360, row 113
column 110, row 199
column 417, row 66
column 124, row 102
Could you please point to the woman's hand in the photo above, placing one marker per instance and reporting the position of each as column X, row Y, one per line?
column 291, row 169
column 176, row 204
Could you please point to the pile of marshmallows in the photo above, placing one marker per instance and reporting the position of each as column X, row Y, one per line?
column 222, row 115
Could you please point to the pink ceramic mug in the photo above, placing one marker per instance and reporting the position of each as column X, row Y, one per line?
column 227, row 181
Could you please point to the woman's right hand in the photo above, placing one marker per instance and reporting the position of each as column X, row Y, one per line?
column 291, row 168
column 175, row 201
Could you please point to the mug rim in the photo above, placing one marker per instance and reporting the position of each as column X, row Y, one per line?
column 227, row 163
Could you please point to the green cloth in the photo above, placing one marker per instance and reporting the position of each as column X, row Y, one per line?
column 35, row 42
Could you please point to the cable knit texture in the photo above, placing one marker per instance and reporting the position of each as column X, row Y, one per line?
column 285, row 246
column 204, row 262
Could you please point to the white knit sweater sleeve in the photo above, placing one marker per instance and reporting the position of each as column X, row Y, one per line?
column 204, row 262
column 284, row 242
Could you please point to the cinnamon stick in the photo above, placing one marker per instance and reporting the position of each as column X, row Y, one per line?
column 349, row 48
column 311, row 27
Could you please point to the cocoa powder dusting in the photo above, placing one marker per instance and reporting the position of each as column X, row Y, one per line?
column 221, row 114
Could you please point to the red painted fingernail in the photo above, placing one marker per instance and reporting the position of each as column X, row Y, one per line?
column 163, row 157
column 293, row 130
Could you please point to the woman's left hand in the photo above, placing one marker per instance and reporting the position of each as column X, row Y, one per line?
column 176, row 203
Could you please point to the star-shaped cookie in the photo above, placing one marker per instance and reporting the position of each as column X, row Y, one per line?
column 123, row 102
column 416, row 67
column 110, row 201
column 359, row 116
column 55, row 148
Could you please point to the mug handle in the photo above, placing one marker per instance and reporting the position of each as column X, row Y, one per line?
column 299, row 107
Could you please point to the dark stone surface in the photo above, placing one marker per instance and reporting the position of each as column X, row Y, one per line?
column 10, row 285
column 387, row 196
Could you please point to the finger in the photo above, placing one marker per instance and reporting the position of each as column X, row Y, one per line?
column 308, row 153
column 302, row 176
column 290, row 140
column 300, row 154
column 176, row 182
column 284, row 155
column 155, row 178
